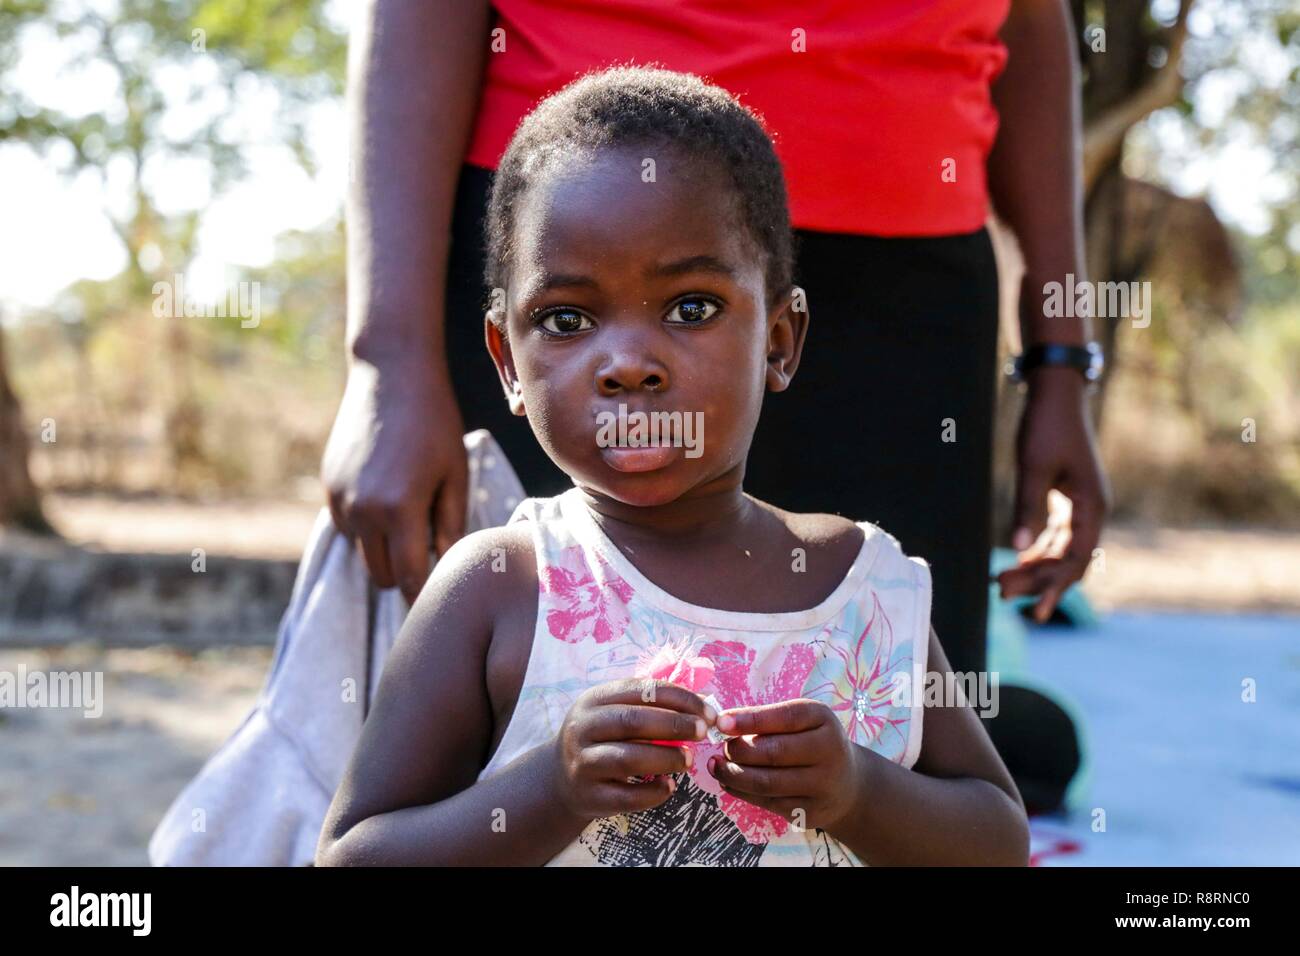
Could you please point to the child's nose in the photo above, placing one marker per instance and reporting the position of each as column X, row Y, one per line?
column 631, row 372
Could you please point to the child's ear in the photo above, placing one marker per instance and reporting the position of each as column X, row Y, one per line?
column 498, row 345
column 787, row 325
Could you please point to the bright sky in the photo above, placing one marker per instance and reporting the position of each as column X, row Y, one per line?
column 54, row 231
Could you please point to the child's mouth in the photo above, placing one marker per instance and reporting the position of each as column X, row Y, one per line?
column 637, row 459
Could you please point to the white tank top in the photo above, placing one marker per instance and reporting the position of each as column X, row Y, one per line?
column 599, row 619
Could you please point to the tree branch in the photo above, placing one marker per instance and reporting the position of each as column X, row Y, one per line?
column 1103, row 137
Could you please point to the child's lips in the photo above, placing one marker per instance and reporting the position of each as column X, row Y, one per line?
column 649, row 458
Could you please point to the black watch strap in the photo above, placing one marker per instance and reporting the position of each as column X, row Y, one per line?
column 1086, row 358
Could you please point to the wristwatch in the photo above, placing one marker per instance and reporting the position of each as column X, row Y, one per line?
column 1086, row 358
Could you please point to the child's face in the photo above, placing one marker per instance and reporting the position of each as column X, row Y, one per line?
column 648, row 295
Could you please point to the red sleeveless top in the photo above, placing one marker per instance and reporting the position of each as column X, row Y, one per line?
column 880, row 109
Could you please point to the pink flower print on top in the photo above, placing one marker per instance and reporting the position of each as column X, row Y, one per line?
column 733, row 686
column 733, row 663
column 675, row 665
column 584, row 605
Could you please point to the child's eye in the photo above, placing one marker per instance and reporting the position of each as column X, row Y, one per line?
column 564, row 322
column 692, row 311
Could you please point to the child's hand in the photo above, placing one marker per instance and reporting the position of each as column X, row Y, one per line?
column 605, row 741
column 788, row 757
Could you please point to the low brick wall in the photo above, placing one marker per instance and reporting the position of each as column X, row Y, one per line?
column 52, row 593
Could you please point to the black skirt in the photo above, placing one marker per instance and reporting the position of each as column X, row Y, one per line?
column 889, row 417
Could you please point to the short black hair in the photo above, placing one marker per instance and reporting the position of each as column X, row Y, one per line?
column 639, row 106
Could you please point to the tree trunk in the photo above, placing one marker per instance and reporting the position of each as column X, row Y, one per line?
column 20, row 503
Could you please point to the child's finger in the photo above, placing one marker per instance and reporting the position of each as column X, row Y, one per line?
column 639, row 722
column 763, row 781
column 622, row 759
column 775, row 750
column 653, row 692
column 786, row 717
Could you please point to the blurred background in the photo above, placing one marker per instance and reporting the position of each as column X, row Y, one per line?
column 143, row 140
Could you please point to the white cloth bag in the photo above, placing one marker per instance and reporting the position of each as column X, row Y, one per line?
column 261, row 799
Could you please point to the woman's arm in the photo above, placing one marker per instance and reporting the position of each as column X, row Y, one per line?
column 415, row 69
column 1034, row 180
column 957, row 805
column 409, row 795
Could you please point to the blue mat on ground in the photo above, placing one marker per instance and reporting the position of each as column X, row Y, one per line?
column 1188, row 773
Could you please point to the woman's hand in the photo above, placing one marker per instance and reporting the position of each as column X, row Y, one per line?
column 605, row 740
column 1035, row 184
column 1055, row 450
column 395, row 454
column 793, row 759
column 415, row 71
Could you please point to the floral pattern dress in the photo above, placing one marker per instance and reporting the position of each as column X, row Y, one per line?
column 599, row 619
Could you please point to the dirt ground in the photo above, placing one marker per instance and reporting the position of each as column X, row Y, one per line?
column 88, row 791
column 1209, row 569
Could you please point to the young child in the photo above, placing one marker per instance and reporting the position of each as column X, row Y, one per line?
column 654, row 668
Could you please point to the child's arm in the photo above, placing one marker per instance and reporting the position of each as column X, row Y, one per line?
column 957, row 806
column 409, row 796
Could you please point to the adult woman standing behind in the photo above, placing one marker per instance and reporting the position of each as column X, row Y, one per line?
column 885, row 116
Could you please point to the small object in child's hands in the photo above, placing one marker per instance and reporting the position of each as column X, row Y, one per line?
column 712, row 735
column 715, row 735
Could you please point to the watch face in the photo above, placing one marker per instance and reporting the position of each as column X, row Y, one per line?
column 1096, row 363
